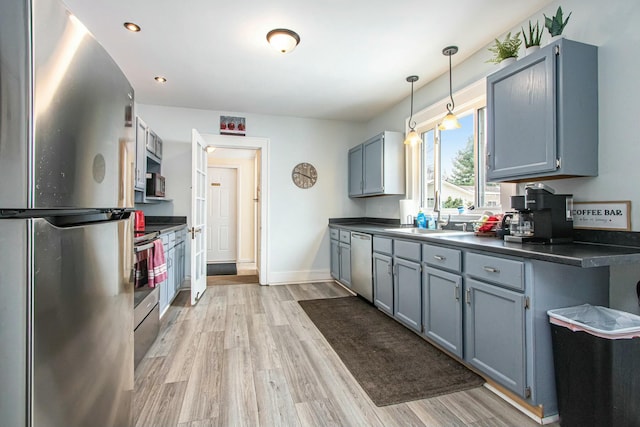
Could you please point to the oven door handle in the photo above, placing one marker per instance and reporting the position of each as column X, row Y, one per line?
column 144, row 247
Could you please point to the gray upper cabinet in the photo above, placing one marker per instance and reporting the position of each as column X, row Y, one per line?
column 376, row 167
column 141, row 155
column 356, row 180
column 542, row 115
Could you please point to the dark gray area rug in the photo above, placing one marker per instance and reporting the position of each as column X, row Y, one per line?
column 391, row 363
column 222, row 269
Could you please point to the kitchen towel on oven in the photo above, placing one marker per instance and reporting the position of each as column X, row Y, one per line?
column 157, row 265
column 141, row 268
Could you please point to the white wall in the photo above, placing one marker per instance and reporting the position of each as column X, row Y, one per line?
column 613, row 28
column 299, row 240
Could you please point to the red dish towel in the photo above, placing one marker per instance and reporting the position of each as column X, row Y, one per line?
column 157, row 265
column 141, row 269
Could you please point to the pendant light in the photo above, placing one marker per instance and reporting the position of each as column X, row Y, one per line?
column 412, row 137
column 450, row 121
column 283, row 40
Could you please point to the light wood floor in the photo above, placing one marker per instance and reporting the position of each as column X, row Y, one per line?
column 247, row 355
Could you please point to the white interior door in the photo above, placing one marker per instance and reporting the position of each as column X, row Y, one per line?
column 223, row 214
column 198, row 216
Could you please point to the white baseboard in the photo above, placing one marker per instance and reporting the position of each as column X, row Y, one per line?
column 302, row 276
column 546, row 420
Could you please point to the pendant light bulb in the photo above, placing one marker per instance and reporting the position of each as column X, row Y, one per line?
column 412, row 137
column 450, row 121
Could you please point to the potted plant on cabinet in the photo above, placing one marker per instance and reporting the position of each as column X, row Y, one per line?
column 556, row 24
column 535, row 35
column 506, row 51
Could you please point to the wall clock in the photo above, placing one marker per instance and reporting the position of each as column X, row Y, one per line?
column 304, row 175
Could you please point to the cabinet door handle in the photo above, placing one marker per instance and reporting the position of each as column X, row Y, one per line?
column 491, row 269
column 456, row 293
column 389, row 269
column 468, row 296
column 439, row 257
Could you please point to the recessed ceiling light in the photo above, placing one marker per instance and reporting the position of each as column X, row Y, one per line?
column 134, row 28
column 283, row 40
column 160, row 79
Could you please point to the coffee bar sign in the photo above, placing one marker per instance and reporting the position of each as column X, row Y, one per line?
column 602, row 215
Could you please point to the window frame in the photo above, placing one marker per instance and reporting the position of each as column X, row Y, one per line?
column 472, row 97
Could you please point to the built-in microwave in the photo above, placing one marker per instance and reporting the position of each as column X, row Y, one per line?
column 155, row 185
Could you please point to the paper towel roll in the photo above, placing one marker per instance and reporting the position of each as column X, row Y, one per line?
column 407, row 207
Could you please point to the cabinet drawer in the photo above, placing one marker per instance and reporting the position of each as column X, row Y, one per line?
column 334, row 233
column 345, row 236
column 440, row 257
column 407, row 250
column 506, row 272
column 382, row 245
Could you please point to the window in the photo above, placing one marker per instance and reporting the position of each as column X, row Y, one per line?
column 452, row 162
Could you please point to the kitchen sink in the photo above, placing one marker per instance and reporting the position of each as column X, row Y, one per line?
column 426, row 231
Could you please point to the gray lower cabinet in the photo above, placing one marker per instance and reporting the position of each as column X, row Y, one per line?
column 542, row 115
column 407, row 283
column 174, row 254
column 164, row 285
column 383, row 282
column 442, row 308
column 495, row 333
column 340, row 255
column 407, row 293
column 442, row 297
column 335, row 259
column 181, row 236
column 345, row 264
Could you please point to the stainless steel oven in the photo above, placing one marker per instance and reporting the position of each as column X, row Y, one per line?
column 146, row 311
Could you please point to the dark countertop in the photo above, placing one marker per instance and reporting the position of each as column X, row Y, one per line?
column 577, row 254
column 162, row 225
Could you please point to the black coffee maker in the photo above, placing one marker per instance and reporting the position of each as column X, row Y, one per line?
column 541, row 216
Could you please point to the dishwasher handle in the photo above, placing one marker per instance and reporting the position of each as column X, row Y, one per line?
column 361, row 236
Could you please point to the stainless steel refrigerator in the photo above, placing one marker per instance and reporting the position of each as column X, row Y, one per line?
column 66, row 239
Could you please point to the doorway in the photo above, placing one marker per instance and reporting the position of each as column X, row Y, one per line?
column 222, row 225
column 248, row 157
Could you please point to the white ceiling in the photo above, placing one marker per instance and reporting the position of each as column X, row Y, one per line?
column 351, row 64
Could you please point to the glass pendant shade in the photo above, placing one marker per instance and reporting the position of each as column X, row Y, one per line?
column 449, row 122
column 412, row 138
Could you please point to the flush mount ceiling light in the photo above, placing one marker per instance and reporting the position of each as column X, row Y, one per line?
column 283, row 40
column 450, row 121
column 160, row 79
column 134, row 28
column 412, row 136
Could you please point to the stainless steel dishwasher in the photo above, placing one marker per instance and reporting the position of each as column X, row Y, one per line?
column 361, row 265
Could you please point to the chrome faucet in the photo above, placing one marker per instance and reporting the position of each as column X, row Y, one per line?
column 436, row 208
